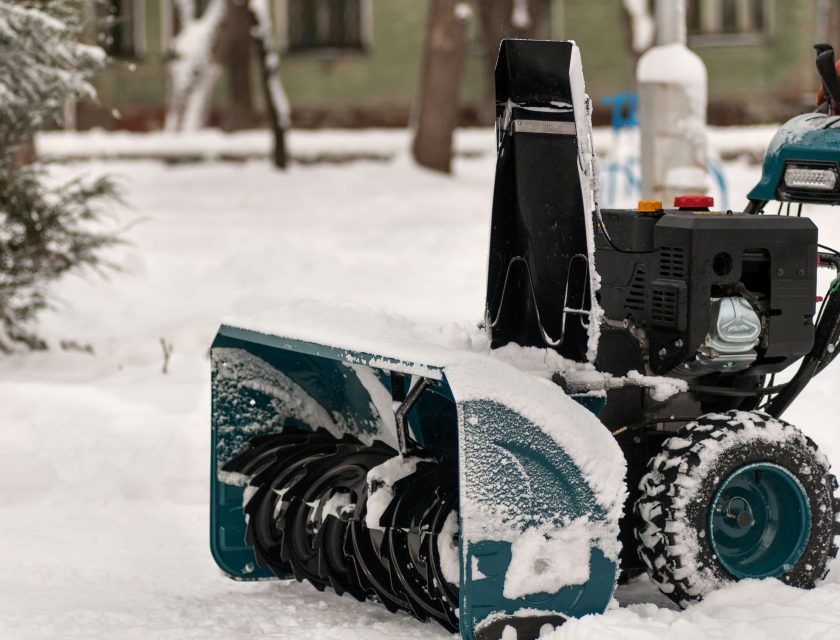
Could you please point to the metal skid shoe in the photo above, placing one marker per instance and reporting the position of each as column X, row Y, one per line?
column 440, row 482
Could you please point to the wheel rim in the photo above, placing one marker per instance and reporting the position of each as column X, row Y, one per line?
column 759, row 521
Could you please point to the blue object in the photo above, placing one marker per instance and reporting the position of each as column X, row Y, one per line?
column 625, row 107
column 759, row 521
column 624, row 115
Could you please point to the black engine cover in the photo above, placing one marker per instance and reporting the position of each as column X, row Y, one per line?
column 662, row 271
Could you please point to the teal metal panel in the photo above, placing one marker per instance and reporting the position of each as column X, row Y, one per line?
column 258, row 383
column 808, row 137
column 512, row 467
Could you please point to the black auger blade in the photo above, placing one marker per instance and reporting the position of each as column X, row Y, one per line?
column 409, row 517
column 347, row 477
column 265, row 505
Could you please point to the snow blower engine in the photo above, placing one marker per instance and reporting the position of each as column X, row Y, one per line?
column 478, row 479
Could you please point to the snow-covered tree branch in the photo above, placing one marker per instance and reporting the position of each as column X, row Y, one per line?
column 193, row 69
column 43, row 232
column 42, row 64
column 196, row 66
column 278, row 104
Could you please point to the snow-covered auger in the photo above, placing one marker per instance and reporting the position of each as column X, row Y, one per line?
column 465, row 478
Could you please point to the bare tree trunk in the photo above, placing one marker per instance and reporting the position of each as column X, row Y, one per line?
column 440, row 84
column 631, row 55
column 194, row 65
column 279, row 112
column 237, row 46
column 26, row 153
column 500, row 19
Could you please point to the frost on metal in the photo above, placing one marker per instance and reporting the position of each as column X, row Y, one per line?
column 588, row 186
column 547, row 561
column 251, row 398
column 546, row 363
column 517, row 482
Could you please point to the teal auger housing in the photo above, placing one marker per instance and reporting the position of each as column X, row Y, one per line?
column 477, row 480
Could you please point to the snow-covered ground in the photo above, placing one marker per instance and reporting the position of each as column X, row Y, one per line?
column 325, row 144
column 104, row 460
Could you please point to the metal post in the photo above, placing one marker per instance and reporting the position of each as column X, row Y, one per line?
column 670, row 22
column 402, row 405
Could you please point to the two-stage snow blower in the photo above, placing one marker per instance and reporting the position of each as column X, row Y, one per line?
column 465, row 478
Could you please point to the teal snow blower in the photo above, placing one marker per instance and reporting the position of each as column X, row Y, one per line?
column 477, row 480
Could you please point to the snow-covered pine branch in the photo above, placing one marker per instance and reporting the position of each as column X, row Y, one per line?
column 44, row 231
column 42, row 64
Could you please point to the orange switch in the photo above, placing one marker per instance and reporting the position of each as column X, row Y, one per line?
column 649, row 206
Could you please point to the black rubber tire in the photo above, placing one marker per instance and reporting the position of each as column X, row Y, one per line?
column 678, row 490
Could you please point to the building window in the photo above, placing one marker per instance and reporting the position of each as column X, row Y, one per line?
column 729, row 22
column 124, row 33
column 325, row 25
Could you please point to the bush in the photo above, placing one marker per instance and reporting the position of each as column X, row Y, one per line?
column 44, row 231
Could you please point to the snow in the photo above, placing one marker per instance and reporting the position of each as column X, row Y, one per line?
column 583, row 376
column 748, row 610
column 327, row 144
column 642, row 25
column 338, row 505
column 193, row 71
column 280, row 101
column 660, row 388
column 104, row 461
column 463, row 11
column 675, row 64
column 381, row 403
column 450, row 564
column 381, row 481
column 546, row 564
column 520, row 17
column 588, row 182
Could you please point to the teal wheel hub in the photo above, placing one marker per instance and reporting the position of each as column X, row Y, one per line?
column 759, row 521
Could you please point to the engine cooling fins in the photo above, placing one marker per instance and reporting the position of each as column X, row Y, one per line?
column 306, row 508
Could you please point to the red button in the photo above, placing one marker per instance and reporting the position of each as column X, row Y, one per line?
column 694, row 202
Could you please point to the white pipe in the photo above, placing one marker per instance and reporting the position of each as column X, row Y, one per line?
column 673, row 85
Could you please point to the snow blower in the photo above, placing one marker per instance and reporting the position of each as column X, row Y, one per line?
column 467, row 480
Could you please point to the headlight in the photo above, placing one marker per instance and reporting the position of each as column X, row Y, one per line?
column 799, row 177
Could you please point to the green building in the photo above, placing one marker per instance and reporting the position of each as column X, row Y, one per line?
column 356, row 62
